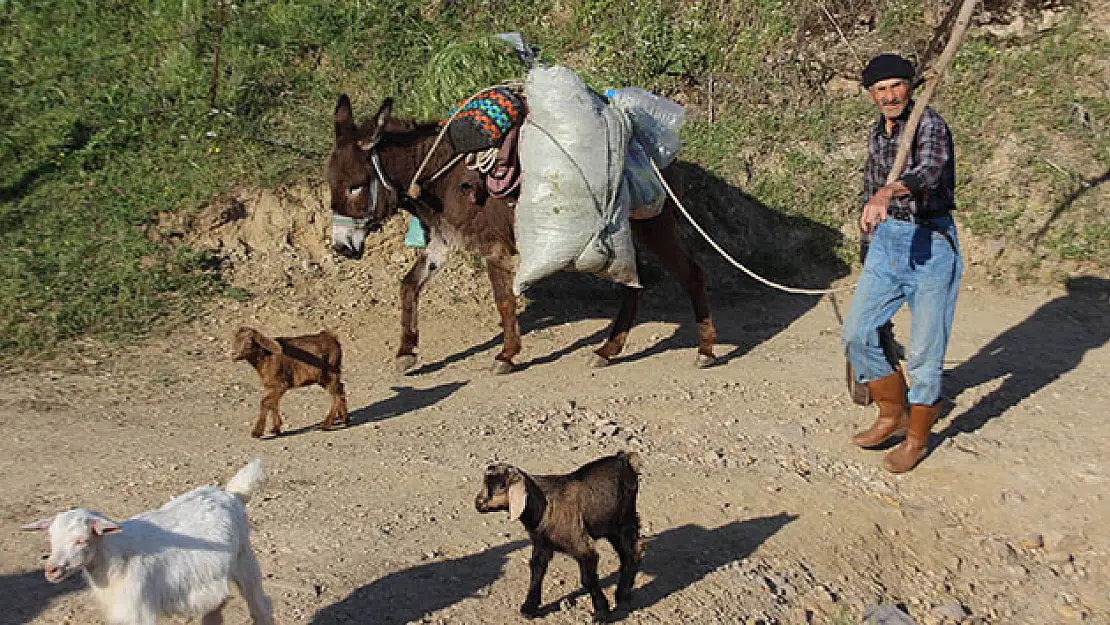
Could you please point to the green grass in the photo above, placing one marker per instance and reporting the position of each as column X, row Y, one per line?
column 107, row 122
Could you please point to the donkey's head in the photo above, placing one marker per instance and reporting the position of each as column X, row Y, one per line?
column 362, row 197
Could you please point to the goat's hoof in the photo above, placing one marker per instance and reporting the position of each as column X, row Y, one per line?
column 530, row 611
column 275, row 432
column 501, row 367
column 705, row 361
column 602, row 616
column 256, row 433
column 597, row 361
column 404, row 363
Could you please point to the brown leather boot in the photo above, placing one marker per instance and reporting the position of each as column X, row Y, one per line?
column 889, row 394
column 907, row 454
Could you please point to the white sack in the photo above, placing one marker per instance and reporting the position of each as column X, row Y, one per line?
column 573, row 210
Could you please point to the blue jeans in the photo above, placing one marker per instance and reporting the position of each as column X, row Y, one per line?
column 922, row 267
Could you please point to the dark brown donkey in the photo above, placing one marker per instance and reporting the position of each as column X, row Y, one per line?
column 369, row 171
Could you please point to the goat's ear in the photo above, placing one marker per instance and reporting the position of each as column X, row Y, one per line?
column 376, row 128
column 101, row 527
column 518, row 498
column 37, row 526
column 268, row 343
column 344, row 115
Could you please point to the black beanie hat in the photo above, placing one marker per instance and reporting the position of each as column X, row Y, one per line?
column 886, row 66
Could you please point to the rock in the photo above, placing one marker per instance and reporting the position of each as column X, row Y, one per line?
column 1006, row 553
column 1032, row 540
column 823, row 595
column 886, row 614
column 609, row 429
column 1017, row 571
column 996, row 247
column 949, row 612
column 1069, row 543
column 1067, row 612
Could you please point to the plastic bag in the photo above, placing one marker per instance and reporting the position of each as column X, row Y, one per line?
column 573, row 207
column 645, row 192
column 655, row 121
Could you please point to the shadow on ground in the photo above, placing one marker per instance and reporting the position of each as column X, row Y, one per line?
column 1032, row 354
column 26, row 595
column 411, row 594
column 407, row 399
column 682, row 556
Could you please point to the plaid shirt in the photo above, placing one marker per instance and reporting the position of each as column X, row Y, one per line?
column 930, row 172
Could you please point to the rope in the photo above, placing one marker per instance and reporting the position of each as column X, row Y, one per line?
column 449, row 165
column 483, row 162
column 730, row 259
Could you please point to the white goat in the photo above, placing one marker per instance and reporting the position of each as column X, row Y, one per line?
column 176, row 560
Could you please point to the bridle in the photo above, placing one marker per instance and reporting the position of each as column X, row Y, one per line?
column 380, row 180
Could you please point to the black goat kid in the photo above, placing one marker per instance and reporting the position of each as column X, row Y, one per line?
column 567, row 513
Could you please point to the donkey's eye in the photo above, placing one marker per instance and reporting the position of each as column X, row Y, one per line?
column 356, row 189
column 79, row 541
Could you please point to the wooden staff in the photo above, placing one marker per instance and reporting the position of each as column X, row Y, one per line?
column 932, row 79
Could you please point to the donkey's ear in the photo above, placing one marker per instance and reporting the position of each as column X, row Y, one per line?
column 376, row 128
column 344, row 116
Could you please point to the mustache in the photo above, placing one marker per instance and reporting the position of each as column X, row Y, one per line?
column 889, row 101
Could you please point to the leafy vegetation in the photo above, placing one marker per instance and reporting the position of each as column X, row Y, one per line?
column 108, row 120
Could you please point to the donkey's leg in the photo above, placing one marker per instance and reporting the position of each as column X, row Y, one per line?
column 660, row 235
column 622, row 325
column 501, row 278
column 426, row 266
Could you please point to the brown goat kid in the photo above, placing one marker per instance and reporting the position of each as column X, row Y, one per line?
column 567, row 513
column 292, row 362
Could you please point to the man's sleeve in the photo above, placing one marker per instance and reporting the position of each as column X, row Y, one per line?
column 932, row 154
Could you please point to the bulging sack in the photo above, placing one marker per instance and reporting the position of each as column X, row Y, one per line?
column 655, row 121
column 573, row 208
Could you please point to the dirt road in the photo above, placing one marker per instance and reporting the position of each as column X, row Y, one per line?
column 759, row 508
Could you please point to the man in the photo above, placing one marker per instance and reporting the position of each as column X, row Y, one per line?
column 913, row 258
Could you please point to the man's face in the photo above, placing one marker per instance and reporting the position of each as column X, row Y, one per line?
column 891, row 96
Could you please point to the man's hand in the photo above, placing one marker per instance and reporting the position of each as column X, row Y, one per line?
column 874, row 212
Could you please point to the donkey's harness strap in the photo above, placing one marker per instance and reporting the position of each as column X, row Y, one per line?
column 343, row 220
column 376, row 159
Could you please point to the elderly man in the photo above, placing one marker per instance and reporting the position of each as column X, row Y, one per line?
column 913, row 258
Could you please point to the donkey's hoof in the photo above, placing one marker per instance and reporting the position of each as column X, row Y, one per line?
column 501, row 367
column 404, row 363
column 705, row 361
column 597, row 361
